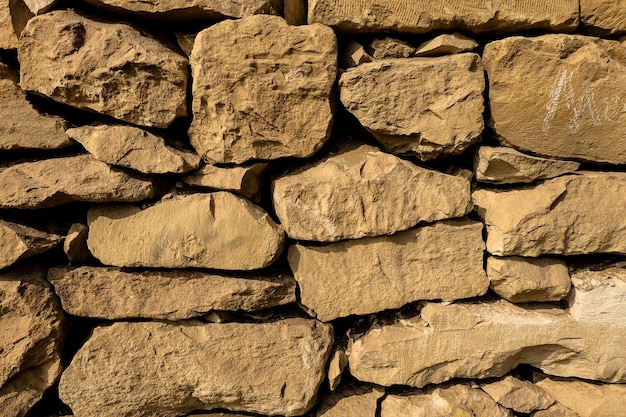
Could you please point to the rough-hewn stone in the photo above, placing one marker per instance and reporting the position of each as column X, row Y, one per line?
column 449, row 43
column 518, row 395
column 75, row 243
column 351, row 400
column 13, row 17
column 603, row 17
column 336, row 365
column 245, row 180
column 216, row 230
column 439, row 261
column 261, row 89
column 365, row 192
column 423, row 106
column 599, row 296
column 110, row 68
column 559, row 96
column 353, row 54
column 386, row 48
column 150, row 369
column 18, row 241
column 39, row 6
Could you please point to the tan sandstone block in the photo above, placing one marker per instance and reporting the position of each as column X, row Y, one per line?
column 336, row 366
column 449, row 43
column 244, row 180
column 18, row 241
column 518, row 395
column 603, row 17
column 599, row 296
column 351, row 400
column 387, row 47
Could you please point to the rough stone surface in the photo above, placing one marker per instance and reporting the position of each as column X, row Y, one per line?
column 18, row 242
column 603, row 17
column 556, row 410
column 523, row 280
column 114, row 294
column 559, row 96
column 244, row 180
column 150, row 369
column 518, row 395
column 449, row 43
column 216, row 230
column 423, row 106
column 110, row 68
column 261, row 89
column 440, row 261
column 336, row 365
column 566, row 215
column 13, row 17
column 599, row 296
column 365, row 192
column 39, row 6
column 421, row 16
column 75, row 243
column 386, row 48
column 484, row 340
column 51, row 182
column 351, row 400
column 502, row 165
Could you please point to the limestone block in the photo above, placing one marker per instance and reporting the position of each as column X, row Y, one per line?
column 152, row 368
column 427, row 107
column 518, row 395
column 261, row 89
column 351, row 400
column 245, row 180
column 566, row 215
column 353, row 54
column 14, row 15
column 39, row 6
column 599, row 296
column 559, row 96
column 603, row 17
column 387, row 47
column 215, row 230
column 449, row 43
column 51, row 182
column 364, row 192
column 75, row 243
column 110, row 68
column 439, row 261
column 18, row 241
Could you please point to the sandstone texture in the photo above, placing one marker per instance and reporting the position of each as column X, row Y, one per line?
column 449, row 43
column 244, row 180
column 555, row 410
column 351, row 400
column 599, row 296
column 566, row 215
column 18, row 241
column 426, row 107
column 39, row 6
column 386, row 48
column 149, row 369
column 134, row 148
column 216, row 230
column 365, row 192
column 559, row 96
column 261, row 89
column 75, row 243
column 440, row 261
column 518, row 395
column 110, row 68
column 603, row 17
column 14, row 15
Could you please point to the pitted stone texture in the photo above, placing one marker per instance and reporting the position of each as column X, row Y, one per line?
column 449, row 43
column 114, row 294
column 158, row 369
column 518, row 395
column 14, row 15
column 428, row 107
column 351, row 400
column 559, row 96
column 363, row 192
column 261, row 89
column 440, row 261
column 386, row 48
column 566, row 215
column 110, row 68
column 599, row 296
column 484, row 340
column 603, row 17
column 18, row 241
column 51, row 182
column 244, row 180
column 216, row 230
column 422, row 16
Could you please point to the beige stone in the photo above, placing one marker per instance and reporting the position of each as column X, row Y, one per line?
column 599, row 296
column 559, row 96
column 555, row 410
column 245, row 180
column 502, row 165
column 566, row 215
column 261, row 89
column 18, row 241
column 51, row 182
column 363, row 192
column 518, row 395
column 428, row 107
column 487, row 339
column 422, row 16
column 39, row 6
column 110, row 68
column 134, row 148
column 351, row 400
column 387, row 47
column 336, row 365
column 158, row 369
column 75, row 243
column 353, row 54
column 295, row 12
column 523, row 280
column 216, row 230
column 114, row 294
column 439, row 261
column 603, row 17
column 14, row 15
column 449, row 43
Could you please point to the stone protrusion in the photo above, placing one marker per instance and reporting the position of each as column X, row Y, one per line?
column 336, row 366
column 39, row 6
column 452, row 43
column 18, row 241
column 244, row 180
column 518, row 395
column 353, row 54
column 389, row 48
column 75, row 243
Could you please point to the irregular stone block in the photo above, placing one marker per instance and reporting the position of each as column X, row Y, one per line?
column 351, row 400
column 114, row 294
column 365, row 192
column 386, row 48
column 446, row 44
column 216, row 230
column 428, row 107
column 440, row 261
column 603, row 17
column 244, row 180
column 148, row 369
column 18, row 242
column 13, row 18
column 566, row 215
column 110, row 68
column 518, row 395
column 51, row 182
column 75, row 243
column 261, row 89
column 39, row 6
column 353, row 54
column 599, row 296
column 559, row 96
column 336, row 365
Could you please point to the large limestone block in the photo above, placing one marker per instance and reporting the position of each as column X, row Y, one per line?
column 603, row 17
column 518, row 395
column 216, row 230
column 423, row 106
column 421, row 16
column 599, row 296
column 114, row 294
column 245, row 180
column 365, row 192
column 110, row 68
column 559, row 96
column 484, row 340
column 14, row 15
column 166, row 370
column 51, row 182
column 261, row 89
column 566, row 215
column 440, row 261
column 351, row 400
column 18, row 241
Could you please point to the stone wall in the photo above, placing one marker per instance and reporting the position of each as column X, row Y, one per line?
column 346, row 208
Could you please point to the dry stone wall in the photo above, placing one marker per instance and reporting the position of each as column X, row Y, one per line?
column 322, row 208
